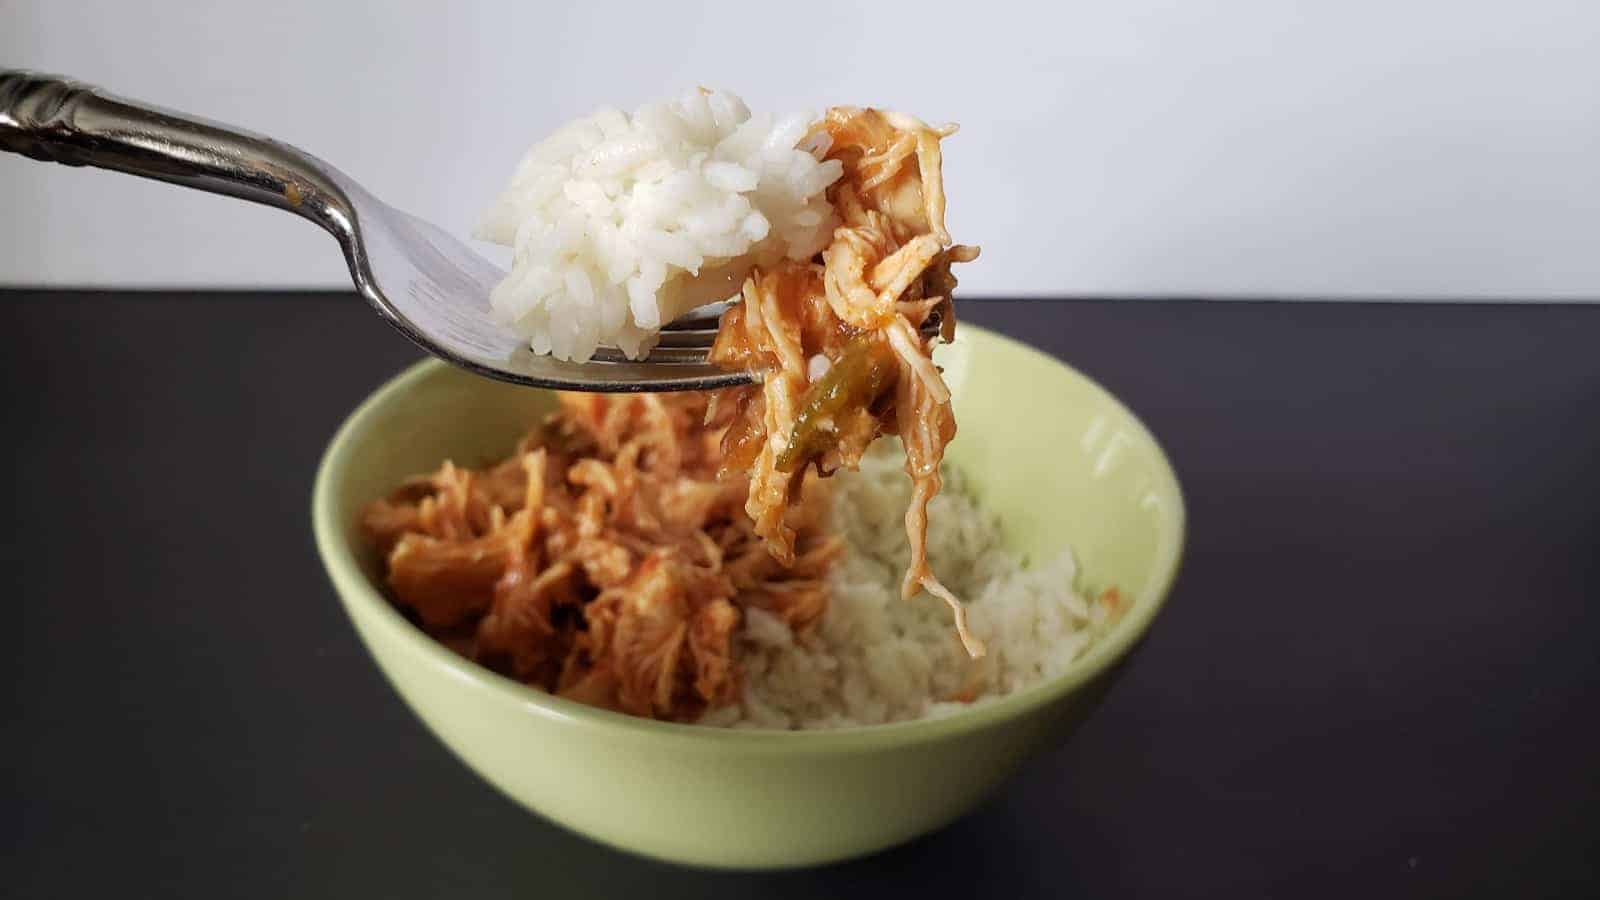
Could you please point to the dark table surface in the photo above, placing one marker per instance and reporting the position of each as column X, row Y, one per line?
column 1379, row 674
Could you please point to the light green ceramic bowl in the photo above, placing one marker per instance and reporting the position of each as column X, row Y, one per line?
column 1062, row 462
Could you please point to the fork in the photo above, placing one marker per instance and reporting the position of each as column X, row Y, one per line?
column 424, row 282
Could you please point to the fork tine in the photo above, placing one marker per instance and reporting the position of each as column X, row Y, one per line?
column 700, row 325
column 689, row 344
column 660, row 356
column 701, row 338
column 700, row 317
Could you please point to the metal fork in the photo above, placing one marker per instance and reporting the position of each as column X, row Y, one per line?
column 424, row 282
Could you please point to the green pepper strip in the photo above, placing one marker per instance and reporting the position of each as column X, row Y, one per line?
column 863, row 372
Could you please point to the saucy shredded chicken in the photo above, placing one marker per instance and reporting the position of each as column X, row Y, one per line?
column 604, row 560
column 836, row 340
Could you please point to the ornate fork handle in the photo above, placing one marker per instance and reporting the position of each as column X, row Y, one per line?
column 57, row 120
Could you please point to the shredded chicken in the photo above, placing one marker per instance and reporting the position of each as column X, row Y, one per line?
column 836, row 340
column 603, row 560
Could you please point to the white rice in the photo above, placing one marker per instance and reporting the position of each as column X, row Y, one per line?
column 621, row 223
column 876, row 658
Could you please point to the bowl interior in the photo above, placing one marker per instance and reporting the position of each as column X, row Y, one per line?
column 1064, row 464
column 1060, row 461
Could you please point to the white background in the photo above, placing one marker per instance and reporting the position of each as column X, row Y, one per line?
column 1389, row 149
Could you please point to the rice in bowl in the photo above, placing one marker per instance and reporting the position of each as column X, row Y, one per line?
column 874, row 657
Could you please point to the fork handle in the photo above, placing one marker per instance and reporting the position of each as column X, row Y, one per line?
column 58, row 120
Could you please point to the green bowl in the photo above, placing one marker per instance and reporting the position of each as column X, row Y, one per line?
column 1061, row 461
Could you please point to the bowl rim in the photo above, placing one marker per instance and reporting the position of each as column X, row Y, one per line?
column 354, row 589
